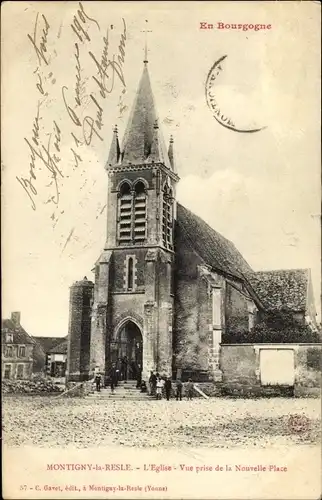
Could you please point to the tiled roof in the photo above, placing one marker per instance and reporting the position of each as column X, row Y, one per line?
column 285, row 288
column 218, row 252
column 47, row 343
column 60, row 348
column 20, row 336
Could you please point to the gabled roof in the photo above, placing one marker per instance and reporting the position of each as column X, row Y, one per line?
column 20, row 336
column 216, row 251
column 60, row 348
column 47, row 343
column 284, row 288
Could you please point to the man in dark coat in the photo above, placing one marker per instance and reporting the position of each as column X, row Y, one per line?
column 98, row 382
column 124, row 364
column 113, row 377
column 133, row 370
column 119, row 369
column 152, row 383
column 167, row 387
column 138, row 377
column 189, row 388
column 179, row 390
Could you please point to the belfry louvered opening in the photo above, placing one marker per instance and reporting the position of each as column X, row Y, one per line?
column 132, row 213
column 139, row 212
column 167, row 218
column 125, row 214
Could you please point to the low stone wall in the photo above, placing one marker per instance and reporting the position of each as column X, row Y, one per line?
column 78, row 389
column 209, row 388
column 240, row 366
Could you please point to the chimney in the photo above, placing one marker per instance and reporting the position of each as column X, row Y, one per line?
column 15, row 318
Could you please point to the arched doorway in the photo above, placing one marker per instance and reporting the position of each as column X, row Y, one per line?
column 129, row 344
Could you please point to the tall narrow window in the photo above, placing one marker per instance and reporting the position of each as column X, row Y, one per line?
column 130, row 274
column 8, row 351
column 7, row 371
column 22, row 351
column 216, row 316
column 251, row 314
column 167, row 218
column 139, row 212
column 125, row 214
column 216, row 308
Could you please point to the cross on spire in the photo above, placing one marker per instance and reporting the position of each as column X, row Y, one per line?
column 146, row 43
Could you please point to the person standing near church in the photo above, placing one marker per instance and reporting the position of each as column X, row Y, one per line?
column 124, row 364
column 119, row 369
column 98, row 382
column 178, row 390
column 138, row 376
column 159, row 387
column 189, row 389
column 113, row 377
column 152, row 383
column 168, row 387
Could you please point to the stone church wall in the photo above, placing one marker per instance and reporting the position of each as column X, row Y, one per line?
column 192, row 313
column 236, row 312
column 118, row 271
column 126, row 305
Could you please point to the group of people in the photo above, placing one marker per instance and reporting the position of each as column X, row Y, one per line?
column 126, row 369
column 160, row 386
column 120, row 371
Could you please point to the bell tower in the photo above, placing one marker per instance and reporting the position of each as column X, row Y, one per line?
column 141, row 201
column 133, row 276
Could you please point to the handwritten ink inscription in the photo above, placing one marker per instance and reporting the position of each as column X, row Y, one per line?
column 96, row 73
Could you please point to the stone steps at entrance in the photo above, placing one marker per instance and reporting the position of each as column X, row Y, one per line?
column 118, row 397
column 123, row 391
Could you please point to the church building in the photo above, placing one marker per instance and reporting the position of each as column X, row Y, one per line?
column 168, row 288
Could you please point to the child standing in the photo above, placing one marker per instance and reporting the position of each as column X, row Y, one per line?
column 159, row 387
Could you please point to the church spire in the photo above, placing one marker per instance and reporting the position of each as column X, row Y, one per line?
column 114, row 153
column 142, row 134
column 143, row 141
column 138, row 135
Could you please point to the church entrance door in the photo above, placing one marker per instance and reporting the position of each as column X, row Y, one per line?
column 130, row 346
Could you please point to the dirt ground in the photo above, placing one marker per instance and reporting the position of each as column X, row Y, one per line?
column 217, row 423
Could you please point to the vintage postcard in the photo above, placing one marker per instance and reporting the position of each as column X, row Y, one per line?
column 161, row 326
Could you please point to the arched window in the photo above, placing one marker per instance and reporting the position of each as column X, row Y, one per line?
column 139, row 212
column 130, row 274
column 125, row 213
column 167, row 218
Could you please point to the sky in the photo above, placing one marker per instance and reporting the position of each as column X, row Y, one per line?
column 260, row 190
